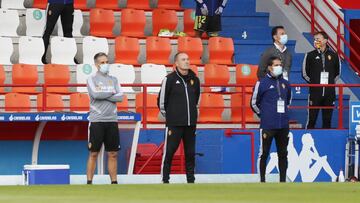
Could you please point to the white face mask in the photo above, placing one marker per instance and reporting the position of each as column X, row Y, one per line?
column 277, row 70
column 283, row 39
column 104, row 68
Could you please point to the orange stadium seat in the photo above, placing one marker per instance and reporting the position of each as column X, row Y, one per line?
column 211, row 108
column 42, row 4
column 216, row 75
column 102, row 22
column 246, row 75
column 108, row 4
column 54, row 102
column 158, row 50
column 79, row 102
column 138, row 4
column 80, row 4
column 133, row 23
column 152, row 110
column 221, row 50
column 17, row 102
column 127, row 50
column 164, row 19
column 57, row 75
column 193, row 47
column 169, row 4
column 24, row 75
column 237, row 109
column 124, row 105
column 189, row 22
column 2, row 78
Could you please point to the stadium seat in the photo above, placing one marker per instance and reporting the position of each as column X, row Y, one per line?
column 169, row 4
column 138, row 4
column 193, row 47
column 164, row 19
column 83, row 71
column 125, row 74
column 152, row 111
column 211, row 107
column 158, row 50
column 92, row 46
column 2, row 78
column 246, row 75
column 6, row 50
column 81, row 5
column 54, row 102
column 31, row 50
column 108, row 4
column 12, row 4
column 102, row 22
column 24, row 75
column 77, row 24
column 221, row 50
column 216, row 75
column 124, row 105
column 35, row 22
column 237, row 109
column 189, row 22
column 59, row 55
column 153, row 74
column 133, row 23
column 56, row 75
column 9, row 21
column 15, row 102
column 79, row 102
column 127, row 50
column 42, row 4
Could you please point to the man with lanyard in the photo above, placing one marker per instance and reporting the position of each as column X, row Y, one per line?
column 270, row 100
column 280, row 50
column 104, row 92
column 208, row 17
column 321, row 66
column 177, row 101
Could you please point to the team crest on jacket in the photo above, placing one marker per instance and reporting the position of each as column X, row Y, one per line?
column 89, row 145
column 283, row 86
column 170, row 132
column 329, row 57
column 192, row 82
column 264, row 135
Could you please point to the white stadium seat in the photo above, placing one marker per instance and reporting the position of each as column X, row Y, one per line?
column 77, row 24
column 63, row 50
column 92, row 46
column 35, row 22
column 12, row 4
column 83, row 71
column 6, row 50
column 152, row 74
column 9, row 21
column 31, row 50
column 125, row 75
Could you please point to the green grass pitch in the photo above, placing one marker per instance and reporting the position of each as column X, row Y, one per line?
column 207, row 193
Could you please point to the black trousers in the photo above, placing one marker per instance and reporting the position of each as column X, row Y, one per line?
column 173, row 139
column 54, row 11
column 316, row 99
column 282, row 139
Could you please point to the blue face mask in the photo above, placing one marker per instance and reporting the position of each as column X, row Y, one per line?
column 283, row 39
column 277, row 70
column 104, row 68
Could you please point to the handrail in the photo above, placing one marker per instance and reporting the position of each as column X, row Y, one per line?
column 243, row 106
column 334, row 43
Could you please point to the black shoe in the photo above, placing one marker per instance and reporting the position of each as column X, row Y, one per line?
column 114, row 182
column 89, row 182
column 76, row 61
column 43, row 60
column 165, row 182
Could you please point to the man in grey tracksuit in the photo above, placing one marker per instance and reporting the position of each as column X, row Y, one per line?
column 104, row 91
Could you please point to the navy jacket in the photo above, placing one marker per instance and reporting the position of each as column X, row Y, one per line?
column 60, row 1
column 264, row 102
column 212, row 5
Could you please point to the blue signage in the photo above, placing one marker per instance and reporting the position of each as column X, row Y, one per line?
column 62, row 117
column 354, row 117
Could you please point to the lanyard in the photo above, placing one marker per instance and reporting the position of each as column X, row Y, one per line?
column 278, row 88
